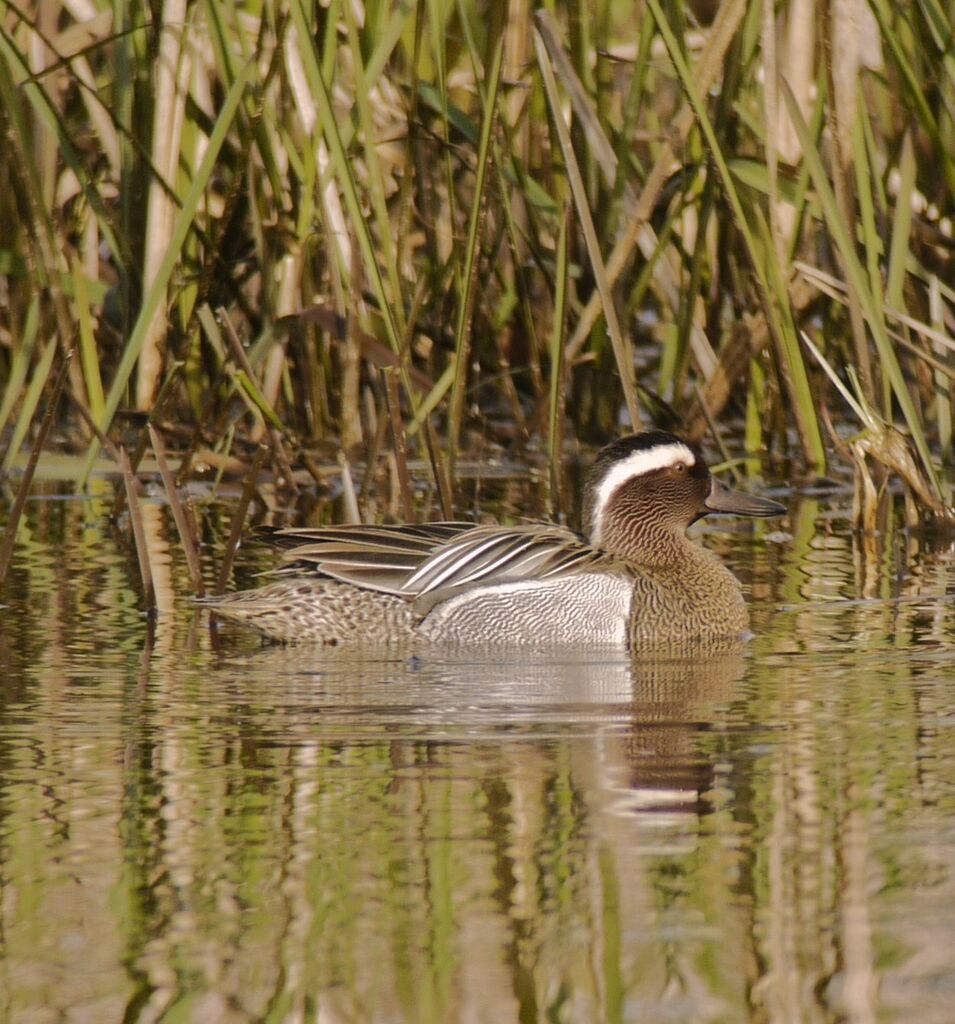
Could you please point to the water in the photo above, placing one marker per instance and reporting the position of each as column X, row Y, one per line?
column 194, row 827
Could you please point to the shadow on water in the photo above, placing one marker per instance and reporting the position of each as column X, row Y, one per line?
column 197, row 827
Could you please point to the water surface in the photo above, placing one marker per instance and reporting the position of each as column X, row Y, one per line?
column 195, row 827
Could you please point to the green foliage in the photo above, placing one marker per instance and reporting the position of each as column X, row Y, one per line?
column 355, row 187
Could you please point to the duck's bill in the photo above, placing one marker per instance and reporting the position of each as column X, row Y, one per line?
column 723, row 499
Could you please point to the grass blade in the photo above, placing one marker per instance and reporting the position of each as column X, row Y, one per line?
column 462, row 327
column 622, row 350
column 874, row 313
column 16, row 510
column 157, row 292
column 763, row 259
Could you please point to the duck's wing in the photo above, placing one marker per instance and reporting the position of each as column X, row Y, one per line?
column 493, row 554
column 374, row 557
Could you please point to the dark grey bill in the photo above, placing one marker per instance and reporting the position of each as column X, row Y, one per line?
column 722, row 499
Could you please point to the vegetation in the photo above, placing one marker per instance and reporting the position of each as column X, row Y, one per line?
column 400, row 228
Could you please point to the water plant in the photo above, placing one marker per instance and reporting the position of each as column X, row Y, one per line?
column 403, row 230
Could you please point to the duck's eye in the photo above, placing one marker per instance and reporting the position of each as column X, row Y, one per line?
column 680, row 468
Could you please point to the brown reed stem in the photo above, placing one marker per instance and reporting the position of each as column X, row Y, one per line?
column 400, row 443
column 238, row 520
column 139, row 534
column 184, row 523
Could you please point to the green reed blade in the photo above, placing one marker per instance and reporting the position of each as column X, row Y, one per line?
column 901, row 225
column 20, row 363
column 914, row 89
column 343, row 170
column 375, row 183
column 844, row 239
column 557, row 336
column 181, row 229
column 763, row 259
column 462, row 328
column 30, row 402
column 623, row 351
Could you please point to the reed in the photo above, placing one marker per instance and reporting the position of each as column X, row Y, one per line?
column 405, row 170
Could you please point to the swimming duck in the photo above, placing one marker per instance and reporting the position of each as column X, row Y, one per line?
column 636, row 580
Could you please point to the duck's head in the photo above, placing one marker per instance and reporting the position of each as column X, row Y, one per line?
column 653, row 483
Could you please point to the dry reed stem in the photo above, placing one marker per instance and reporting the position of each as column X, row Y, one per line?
column 439, row 468
column 770, row 114
column 350, row 412
column 184, row 524
column 349, row 494
column 139, row 535
column 273, row 433
column 172, row 71
column 238, row 521
column 400, row 445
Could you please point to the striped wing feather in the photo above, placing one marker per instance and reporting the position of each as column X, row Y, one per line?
column 494, row 553
column 421, row 537
column 411, row 561
column 375, row 557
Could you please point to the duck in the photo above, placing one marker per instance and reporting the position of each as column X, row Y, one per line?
column 632, row 580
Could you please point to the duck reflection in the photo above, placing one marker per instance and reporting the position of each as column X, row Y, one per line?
column 649, row 715
column 482, row 824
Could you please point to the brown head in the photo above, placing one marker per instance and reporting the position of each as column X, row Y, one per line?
column 647, row 488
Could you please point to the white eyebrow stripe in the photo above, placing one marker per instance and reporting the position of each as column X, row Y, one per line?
column 637, row 464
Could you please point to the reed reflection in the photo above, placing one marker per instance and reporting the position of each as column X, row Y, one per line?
column 479, row 828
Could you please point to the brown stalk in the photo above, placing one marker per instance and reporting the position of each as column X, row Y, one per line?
column 439, row 467
column 400, row 444
column 142, row 442
column 16, row 510
column 351, row 362
column 392, row 364
column 87, row 417
column 274, row 435
column 238, row 521
column 382, row 423
column 843, row 65
column 139, row 534
column 184, row 522
column 285, row 466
